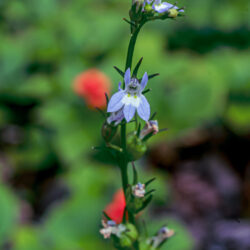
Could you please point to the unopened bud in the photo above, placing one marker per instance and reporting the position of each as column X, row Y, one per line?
column 108, row 131
column 173, row 13
column 139, row 4
column 163, row 234
column 110, row 227
column 136, row 148
column 129, row 236
column 131, row 231
column 151, row 128
column 148, row 8
column 139, row 190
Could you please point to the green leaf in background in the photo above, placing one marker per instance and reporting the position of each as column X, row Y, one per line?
column 8, row 214
column 75, row 223
column 238, row 117
column 27, row 238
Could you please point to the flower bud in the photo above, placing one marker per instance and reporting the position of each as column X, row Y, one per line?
column 172, row 13
column 135, row 12
column 129, row 236
column 136, row 148
column 139, row 4
column 139, row 190
column 110, row 227
column 163, row 234
column 108, row 131
column 131, row 231
column 151, row 128
column 148, row 8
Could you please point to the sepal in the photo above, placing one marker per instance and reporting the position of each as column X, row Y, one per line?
column 136, row 148
column 135, row 12
column 120, row 72
column 108, row 131
column 137, row 67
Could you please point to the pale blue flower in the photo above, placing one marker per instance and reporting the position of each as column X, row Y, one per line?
column 162, row 7
column 131, row 98
column 150, row 127
column 163, row 234
column 110, row 227
column 139, row 190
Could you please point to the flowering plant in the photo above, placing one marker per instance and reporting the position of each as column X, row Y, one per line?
column 127, row 106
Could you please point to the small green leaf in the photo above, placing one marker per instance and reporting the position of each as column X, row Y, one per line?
column 137, row 67
column 145, row 203
column 149, row 181
column 119, row 71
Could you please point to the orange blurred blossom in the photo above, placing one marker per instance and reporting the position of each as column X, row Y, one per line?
column 92, row 86
column 115, row 209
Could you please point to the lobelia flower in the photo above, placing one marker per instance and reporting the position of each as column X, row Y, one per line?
column 131, row 98
column 110, row 227
column 115, row 209
column 162, row 7
column 139, row 190
column 163, row 234
column 150, row 127
column 92, row 86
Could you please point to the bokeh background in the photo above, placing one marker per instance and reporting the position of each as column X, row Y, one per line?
column 52, row 188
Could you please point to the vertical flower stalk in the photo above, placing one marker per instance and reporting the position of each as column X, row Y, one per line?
column 128, row 66
column 127, row 105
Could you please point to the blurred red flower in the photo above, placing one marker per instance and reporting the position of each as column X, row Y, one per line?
column 92, row 86
column 115, row 209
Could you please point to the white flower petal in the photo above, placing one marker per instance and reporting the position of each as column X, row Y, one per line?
column 131, row 100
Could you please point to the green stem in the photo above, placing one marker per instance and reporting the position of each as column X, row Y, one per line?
column 124, row 174
column 123, row 159
column 124, row 162
column 131, row 47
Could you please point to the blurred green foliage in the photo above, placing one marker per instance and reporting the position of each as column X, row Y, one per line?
column 203, row 61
